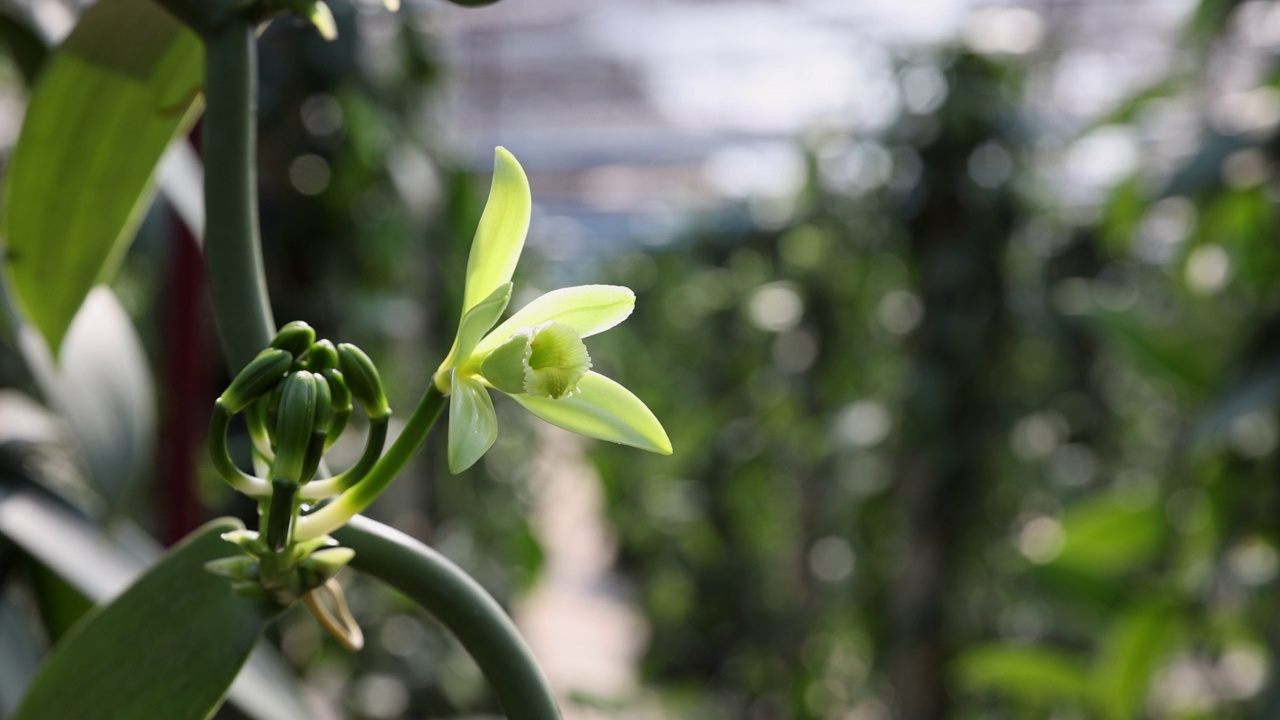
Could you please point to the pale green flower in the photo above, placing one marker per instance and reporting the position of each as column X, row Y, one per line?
column 536, row 356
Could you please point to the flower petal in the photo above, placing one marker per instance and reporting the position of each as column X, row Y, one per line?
column 500, row 236
column 602, row 409
column 477, row 321
column 588, row 309
column 473, row 425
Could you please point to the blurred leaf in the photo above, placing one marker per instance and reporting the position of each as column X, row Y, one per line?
column 182, row 182
column 1130, row 109
column 1210, row 19
column 1256, row 385
column 104, row 389
column 60, row 605
column 1123, row 212
column 169, row 647
column 1105, row 537
column 1036, row 675
column 82, row 172
column 1202, row 172
column 24, row 45
column 35, row 445
column 1167, row 351
column 1132, row 650
column 1257, row 391
column 20, row 649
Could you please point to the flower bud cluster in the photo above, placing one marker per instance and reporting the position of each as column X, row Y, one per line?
column 297, row 396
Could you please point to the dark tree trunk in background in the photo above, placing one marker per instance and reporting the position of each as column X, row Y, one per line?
column 958, row 240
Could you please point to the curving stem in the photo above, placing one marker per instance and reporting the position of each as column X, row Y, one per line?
column 332, row 516
column 464, row 607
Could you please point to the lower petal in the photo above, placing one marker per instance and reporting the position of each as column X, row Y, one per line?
column 605, row 410
column 473, row 425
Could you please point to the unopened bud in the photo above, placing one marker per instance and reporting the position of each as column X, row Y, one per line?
column 295, row 337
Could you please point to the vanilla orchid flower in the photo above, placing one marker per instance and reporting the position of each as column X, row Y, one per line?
column 536, row 356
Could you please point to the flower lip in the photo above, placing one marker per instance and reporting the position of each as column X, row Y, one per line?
column 547, row 361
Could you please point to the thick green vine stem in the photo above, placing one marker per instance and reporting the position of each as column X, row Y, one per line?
column 464, row 607
column 232, row 247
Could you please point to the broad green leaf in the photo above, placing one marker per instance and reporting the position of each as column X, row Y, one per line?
column 1036, row 675
column 82, row 173
column 500, row 236
column 477, row 321
column 169, row 647
column 588, row 309
column 473, row 425
column 100, row 563
column 605, row 410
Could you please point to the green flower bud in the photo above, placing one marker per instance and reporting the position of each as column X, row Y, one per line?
column 259, row 377
column 341, row 404
column 363, row 380
column 319, row 428
column 295, row 419
column 295, row 337
column 322, row 355
column 546, row 361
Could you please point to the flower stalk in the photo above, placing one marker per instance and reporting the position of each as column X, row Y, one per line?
column 232, row 246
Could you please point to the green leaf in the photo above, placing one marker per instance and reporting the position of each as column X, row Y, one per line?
column 81, row 175
column 1132, row 650
column 1036, row 675
column 169, row 647
column 100, row 563
column 473, row 425
column 605, row 410
column 1165, row 351
column 477, row 321
column 500, row 236
column 588, row 309
column 1107, row 537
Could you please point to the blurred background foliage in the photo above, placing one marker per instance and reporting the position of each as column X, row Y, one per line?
column 976, row 421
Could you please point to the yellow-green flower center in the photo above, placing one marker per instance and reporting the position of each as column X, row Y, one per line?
column 547, row 361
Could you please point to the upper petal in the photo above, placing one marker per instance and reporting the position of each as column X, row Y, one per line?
column 477, row 321
column 501, row 233
column 602, row 409
column 588, row 309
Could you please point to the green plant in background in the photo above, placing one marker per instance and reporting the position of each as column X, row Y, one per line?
column 295, row 392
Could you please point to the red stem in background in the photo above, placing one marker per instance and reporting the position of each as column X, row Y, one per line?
column 184, row 378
